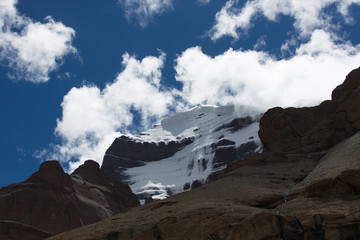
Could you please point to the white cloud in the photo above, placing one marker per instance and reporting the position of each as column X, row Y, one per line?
column 203, row 2
column 93, row 118
column 260, row 43
column 257, row 79
column 308, row 15
column 32, row 49
column 143, row 11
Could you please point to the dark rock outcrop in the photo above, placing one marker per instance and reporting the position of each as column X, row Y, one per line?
column 125, row 153
column 229, row 153
column 125, row 147
column 236, row 124
column 226, row 152
column 314, row 129
column 99, row 198
column 54, row 202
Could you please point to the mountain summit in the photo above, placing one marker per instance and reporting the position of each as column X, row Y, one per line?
column 183, row 151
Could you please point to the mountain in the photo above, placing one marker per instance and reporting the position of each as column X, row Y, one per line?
column 304, row 185
column 216, row 172
column 183, row 151
column 51, row 201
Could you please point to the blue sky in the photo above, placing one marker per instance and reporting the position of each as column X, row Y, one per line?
column 76, row 74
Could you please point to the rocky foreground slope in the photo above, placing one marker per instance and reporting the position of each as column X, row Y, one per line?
column 305, row 185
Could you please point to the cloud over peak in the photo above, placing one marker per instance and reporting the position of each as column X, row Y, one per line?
column 92, row 118
column 256, row 78
column 32, row 49
column 144, row 11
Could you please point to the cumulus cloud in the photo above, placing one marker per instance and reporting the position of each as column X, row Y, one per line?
column 143, row 11
column 232, row 20
column 92, row 118
column 32, row 49
column 255, row 78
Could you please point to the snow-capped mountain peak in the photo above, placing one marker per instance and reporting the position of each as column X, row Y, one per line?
column 182, row 152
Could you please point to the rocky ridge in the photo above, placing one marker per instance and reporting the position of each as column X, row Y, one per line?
column 305, row 185
column 51, row 201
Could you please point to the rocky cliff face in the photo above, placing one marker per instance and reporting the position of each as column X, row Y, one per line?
column 98, row 198
column 126, row 152
column 305, row 185
column 53, row 201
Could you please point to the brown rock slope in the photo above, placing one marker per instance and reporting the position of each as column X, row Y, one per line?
column 14, row 230
column 98, row 198
column 306, row 185
column 54, row 201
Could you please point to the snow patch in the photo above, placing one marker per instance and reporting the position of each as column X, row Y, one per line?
column 193, row 163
